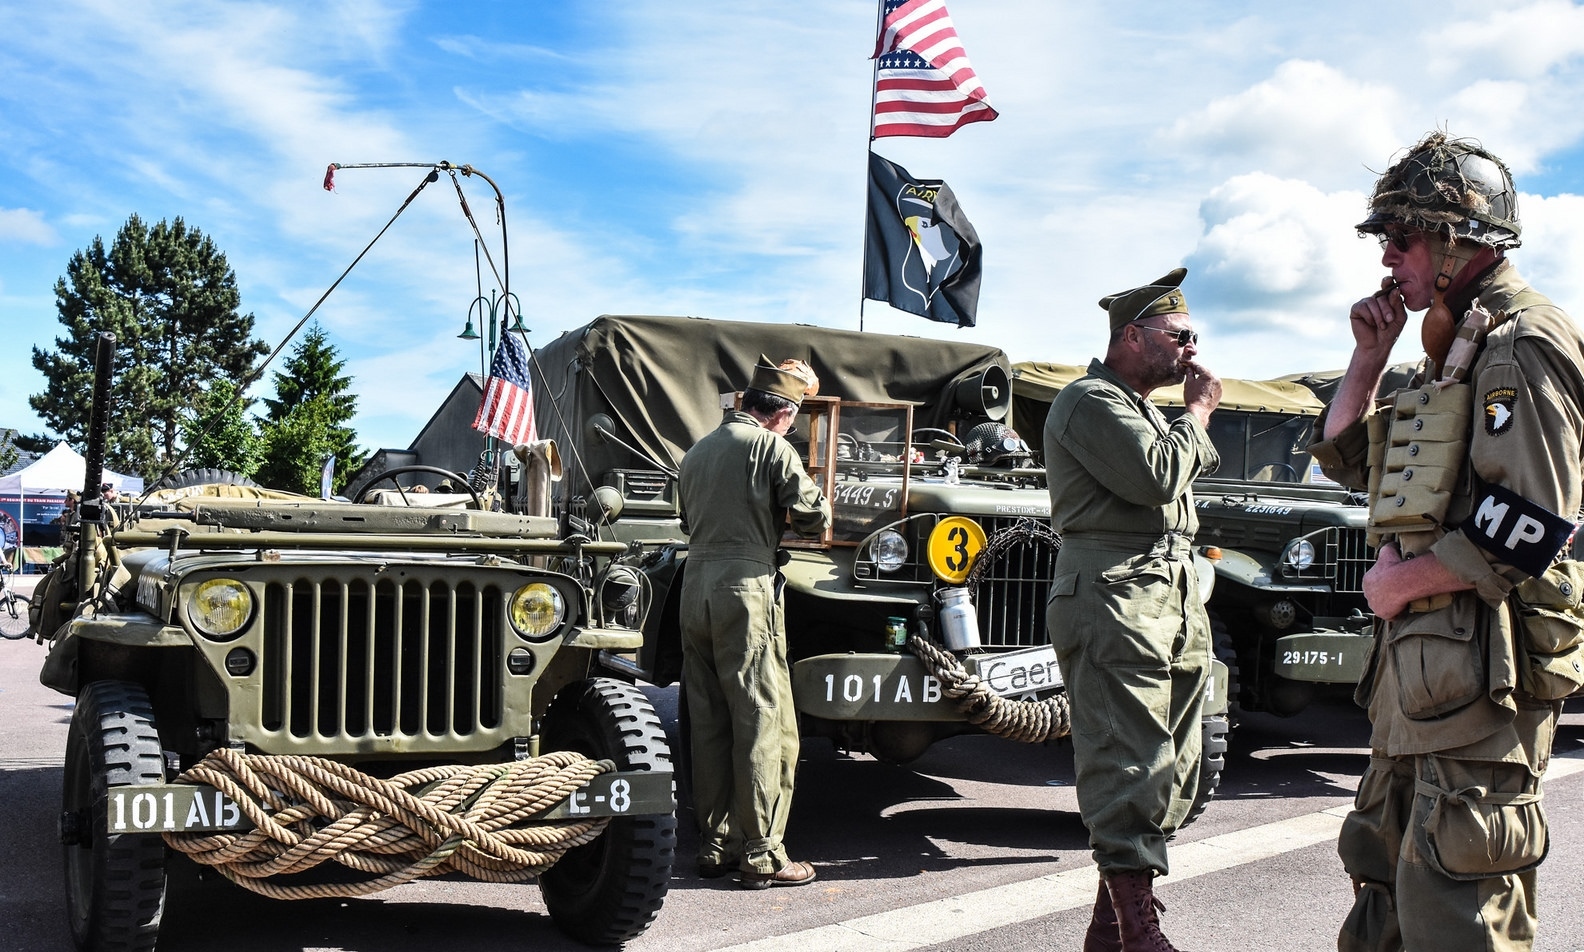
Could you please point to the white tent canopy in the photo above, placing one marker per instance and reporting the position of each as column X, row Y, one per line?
column 60, row 469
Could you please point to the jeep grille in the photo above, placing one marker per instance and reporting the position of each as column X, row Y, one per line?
column 350, row 658
column 1012, row 589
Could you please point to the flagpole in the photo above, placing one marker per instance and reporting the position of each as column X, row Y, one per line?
column 869, row 147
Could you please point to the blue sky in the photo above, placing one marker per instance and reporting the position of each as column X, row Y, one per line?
column 707, row 158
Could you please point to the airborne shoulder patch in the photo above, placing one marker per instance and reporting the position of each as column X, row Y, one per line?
column 1499, row 410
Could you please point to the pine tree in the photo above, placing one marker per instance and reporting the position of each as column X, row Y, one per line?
column 171, row 299
column 220, row 435
column 311, row 391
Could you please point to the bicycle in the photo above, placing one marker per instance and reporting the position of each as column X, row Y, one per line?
column 14, row 622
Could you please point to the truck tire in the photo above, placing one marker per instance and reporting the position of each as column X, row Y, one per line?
column 609, row 891
column 202, row 477
column 1225, row 651
column 115, row 883
column 1212, row 760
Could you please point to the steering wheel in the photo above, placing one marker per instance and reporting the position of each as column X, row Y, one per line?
column 457, row 479
column 1276, row 470
column 947, row 435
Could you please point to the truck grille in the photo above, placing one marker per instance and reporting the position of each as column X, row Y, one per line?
column 1013, row 586
column 1351, row 556
column 350, row 658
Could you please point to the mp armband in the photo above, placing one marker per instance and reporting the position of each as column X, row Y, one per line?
column 1521, row 533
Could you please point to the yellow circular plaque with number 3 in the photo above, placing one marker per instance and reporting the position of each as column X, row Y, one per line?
column 953, row 544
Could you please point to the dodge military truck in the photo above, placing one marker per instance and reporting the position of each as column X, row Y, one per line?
column 445, row 652
column 941, row 520
column 1288, row 545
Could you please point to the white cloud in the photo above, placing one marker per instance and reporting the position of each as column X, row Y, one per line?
column 1308, row 120
column 25, row 226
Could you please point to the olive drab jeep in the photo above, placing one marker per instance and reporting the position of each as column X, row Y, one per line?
column 939, row 560
column 1288, row 609
column 216, row 620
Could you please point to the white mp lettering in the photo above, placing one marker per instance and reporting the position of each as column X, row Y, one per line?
column 1527, row 530
column 1490, row 515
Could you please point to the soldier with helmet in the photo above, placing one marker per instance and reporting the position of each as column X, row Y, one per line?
column 1474, row 474
column 1131, row 635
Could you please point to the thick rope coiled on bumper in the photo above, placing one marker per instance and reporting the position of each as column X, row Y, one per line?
column 1028, row 721
column 473, row 820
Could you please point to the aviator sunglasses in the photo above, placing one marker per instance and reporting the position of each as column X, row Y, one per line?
column 1399, row 238
column 1184, row 336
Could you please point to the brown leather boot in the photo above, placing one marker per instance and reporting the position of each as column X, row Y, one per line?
column 1133, row 900
column 1103, row 934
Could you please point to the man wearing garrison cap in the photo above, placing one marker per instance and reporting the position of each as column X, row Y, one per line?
column 739, row 485
column 1131, row 635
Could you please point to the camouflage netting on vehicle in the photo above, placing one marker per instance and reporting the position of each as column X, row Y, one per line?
column 306, row 811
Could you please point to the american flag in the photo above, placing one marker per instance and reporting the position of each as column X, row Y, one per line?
column 507, row 410
column 924, row 85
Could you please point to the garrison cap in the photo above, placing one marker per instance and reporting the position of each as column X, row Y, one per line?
column 1161, row 296
column 783, row 383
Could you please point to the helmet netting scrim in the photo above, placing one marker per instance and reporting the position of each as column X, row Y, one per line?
column 1450, row 186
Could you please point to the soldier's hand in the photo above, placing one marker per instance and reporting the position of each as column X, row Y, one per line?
column 1378, row 320
column 1201, row 390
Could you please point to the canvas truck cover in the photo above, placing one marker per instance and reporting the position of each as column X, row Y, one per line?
column 659, row 379
column 1035, row 384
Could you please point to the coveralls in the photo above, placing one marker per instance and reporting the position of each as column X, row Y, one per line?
column 738, row 485
column 1456, row 744
column 1131, row 635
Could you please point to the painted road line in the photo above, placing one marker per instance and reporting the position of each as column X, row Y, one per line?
column 943, row 920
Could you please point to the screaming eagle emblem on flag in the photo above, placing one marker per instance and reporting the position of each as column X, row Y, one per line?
column 921, row 255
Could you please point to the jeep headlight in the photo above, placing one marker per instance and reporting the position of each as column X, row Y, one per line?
column 537, row 610
column 220, row 607
column 889, row 550
column 1300, row 555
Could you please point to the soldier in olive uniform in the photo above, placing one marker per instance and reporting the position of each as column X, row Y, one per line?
column 1474, row 474
column 739, row 484
column 1131, row 635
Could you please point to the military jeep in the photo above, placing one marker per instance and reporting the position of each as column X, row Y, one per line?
column 940, row 516
column 211, row 616
column 1288, row 545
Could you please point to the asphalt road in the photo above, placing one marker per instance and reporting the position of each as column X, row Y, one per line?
column 978, row 846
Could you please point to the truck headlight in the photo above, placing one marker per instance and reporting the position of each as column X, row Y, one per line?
column 889, row 550
column 537, row 610
column 220, row 607
column 1300, row 555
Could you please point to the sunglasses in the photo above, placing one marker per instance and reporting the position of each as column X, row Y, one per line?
column 1184, row 336
column 1398, row 238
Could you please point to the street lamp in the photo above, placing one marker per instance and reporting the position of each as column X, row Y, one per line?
column 490, row 308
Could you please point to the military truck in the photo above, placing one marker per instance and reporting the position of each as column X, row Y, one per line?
column 217, row 619
column 940, row 517
column 1288, row 545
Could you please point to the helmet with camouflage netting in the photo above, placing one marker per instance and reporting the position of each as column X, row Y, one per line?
column 1451, row 186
